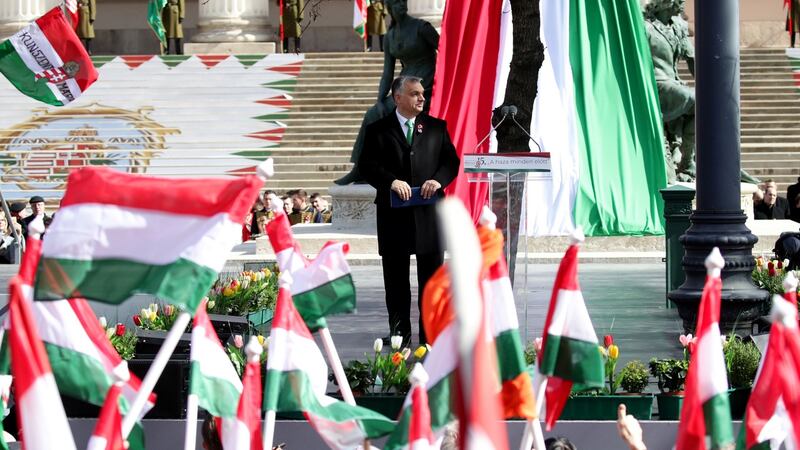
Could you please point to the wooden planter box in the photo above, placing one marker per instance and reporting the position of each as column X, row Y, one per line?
column 604, row 407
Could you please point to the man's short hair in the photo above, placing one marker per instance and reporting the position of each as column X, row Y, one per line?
column 300, row 194
column 315, row 196
column 399, row 83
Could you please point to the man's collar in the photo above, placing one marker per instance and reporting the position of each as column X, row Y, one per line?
column 403, row 118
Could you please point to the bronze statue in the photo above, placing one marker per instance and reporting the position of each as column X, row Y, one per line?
column 414, row 42
column 668, row 36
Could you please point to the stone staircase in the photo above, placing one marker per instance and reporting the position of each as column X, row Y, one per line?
column 770, row 120
column 334, row 89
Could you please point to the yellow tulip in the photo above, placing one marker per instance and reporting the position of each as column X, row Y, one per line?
column 227, row 292
column 254, row 278
column 420, row 351
column 260, row 340
column 267, row 272
column 613, row 351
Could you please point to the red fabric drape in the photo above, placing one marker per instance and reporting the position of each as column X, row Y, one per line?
column 463, row 87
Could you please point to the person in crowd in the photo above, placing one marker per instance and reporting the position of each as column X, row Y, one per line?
column 17, row 210
column 292, row 18
column 6, row 239
column 794, row 205
column 559, row 443
column 792, row 19
column 629, row 429
column 256, row 210
column 172, row 17
column 376, row 23
column 322, row 211
column 791, row 194
column 287, row 204
column 262, row 222
column 210, row 433
column 302, row 211
column 773, row 207
column 246, row 234
column 758, row 197
column 37, row 209
column 406, row 149
column 87, row 13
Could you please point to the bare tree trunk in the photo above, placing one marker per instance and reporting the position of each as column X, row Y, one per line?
column 527, row 59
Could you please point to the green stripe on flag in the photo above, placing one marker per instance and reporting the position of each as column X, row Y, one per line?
column 509, row 354
column 717, row 414
column 622, row 165
column 78, row 375
column 18, row 74
column 337, row 296
column 154, row 8
column 441, row 409
column 215, row 395
column 573, row 360
column 292, row 392
column 182, row 282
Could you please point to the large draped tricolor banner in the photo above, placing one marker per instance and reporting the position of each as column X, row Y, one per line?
column 597, row 114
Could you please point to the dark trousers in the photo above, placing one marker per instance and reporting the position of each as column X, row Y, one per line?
column 396, row 270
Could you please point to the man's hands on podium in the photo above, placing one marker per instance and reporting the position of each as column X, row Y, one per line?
column 402, row 189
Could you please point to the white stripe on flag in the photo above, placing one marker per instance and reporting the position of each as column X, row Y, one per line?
column 714, row 380
column 289, row 260
column 504, row 315
column 571, row 319
column 58, row 325
column 283, row 342
column 329, row 265
column 97, row 443
column 92, row 231
column 236, row 435
column 37, row 408
column 213, row 361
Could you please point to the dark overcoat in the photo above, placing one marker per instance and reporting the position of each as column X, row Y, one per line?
column 387, row 156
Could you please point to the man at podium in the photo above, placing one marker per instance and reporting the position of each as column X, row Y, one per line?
column 409, row 159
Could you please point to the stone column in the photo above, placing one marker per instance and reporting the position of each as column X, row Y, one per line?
column 233, row 21
column 16, row 14
column 430, row 10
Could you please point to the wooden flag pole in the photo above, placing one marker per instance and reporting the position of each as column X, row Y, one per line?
column 336, row 364
column 190, row 441
column 533, row 434
column 154, row 372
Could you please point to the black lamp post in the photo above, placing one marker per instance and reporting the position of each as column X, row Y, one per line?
column 718, row 220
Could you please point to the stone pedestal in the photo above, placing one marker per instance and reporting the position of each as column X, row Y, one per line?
column 16, row 14
column 430, row 10
column 353, row 207
column 233, row 21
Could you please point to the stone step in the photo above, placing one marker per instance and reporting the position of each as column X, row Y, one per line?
column 775, row 139
column 760, row 117
column 291, row 141
column 340, row 122
column 310, row 152
column 751, row 124
column 772, row 163
column 317, row 166
column 360, row 107
column 356, row 79
column 315, row 94
column 319, row 136
column 322, row 158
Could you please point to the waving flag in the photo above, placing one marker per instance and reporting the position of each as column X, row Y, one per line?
column 116, row 235
column 39, row 408
column 706, row 410
column 108, row 430
column 419, row 434
column 246, row 434
column 321, row 287
column 569, row 344
column 154, row 18
column 213, row 379
column 297, row 377
column 47, row 62
column 360, row 17
column 71, row 7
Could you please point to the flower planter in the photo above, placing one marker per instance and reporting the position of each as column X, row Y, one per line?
column 738, row 398
column 261, row 320
column 669, row 406
column 149, row 341
column 604, row 407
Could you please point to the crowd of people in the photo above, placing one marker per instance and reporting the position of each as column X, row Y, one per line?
column 298, row 206
column 768, row 205
column 17, row 227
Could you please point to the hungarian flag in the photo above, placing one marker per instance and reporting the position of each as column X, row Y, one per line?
column 5, row 394
column 570, row 355
column 320, row 287
column 82, row 358
column 597, row 113
column 71, row 7
column 246, row 434
column 117, row 234
column 39, row 409
column 706, row 410
column 212, row 378
column 419, row 433
column 297, row 378
column 46, row 61
column 360, row 17
column 154, row 18
column 108, row 430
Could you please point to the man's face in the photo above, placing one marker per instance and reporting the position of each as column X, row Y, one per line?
column 267, row 201
column 411, row 99
column 297, row 202
column 315, row 204
column 770, row 196
column 37, row 208
column 287, row 205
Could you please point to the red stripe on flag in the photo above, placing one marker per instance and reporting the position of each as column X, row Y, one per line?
column 463, row 88
column 28, row 357
column 249, row 410
column 277, row 101
column 109, row 423
column 287, row 317
column 192, row 196
column 65, row 42
column 280, row 233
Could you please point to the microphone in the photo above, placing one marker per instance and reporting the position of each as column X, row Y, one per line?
column 505, row 111
column 512, row 110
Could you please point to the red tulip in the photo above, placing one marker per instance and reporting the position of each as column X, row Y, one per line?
column 780, row 264
column 120, row 329
column 137, row 320
column 692, row 346
column 608, row 340
column 771, row 268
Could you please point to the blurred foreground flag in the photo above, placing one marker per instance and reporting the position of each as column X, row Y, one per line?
column 116, row 235
column 46, row 61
